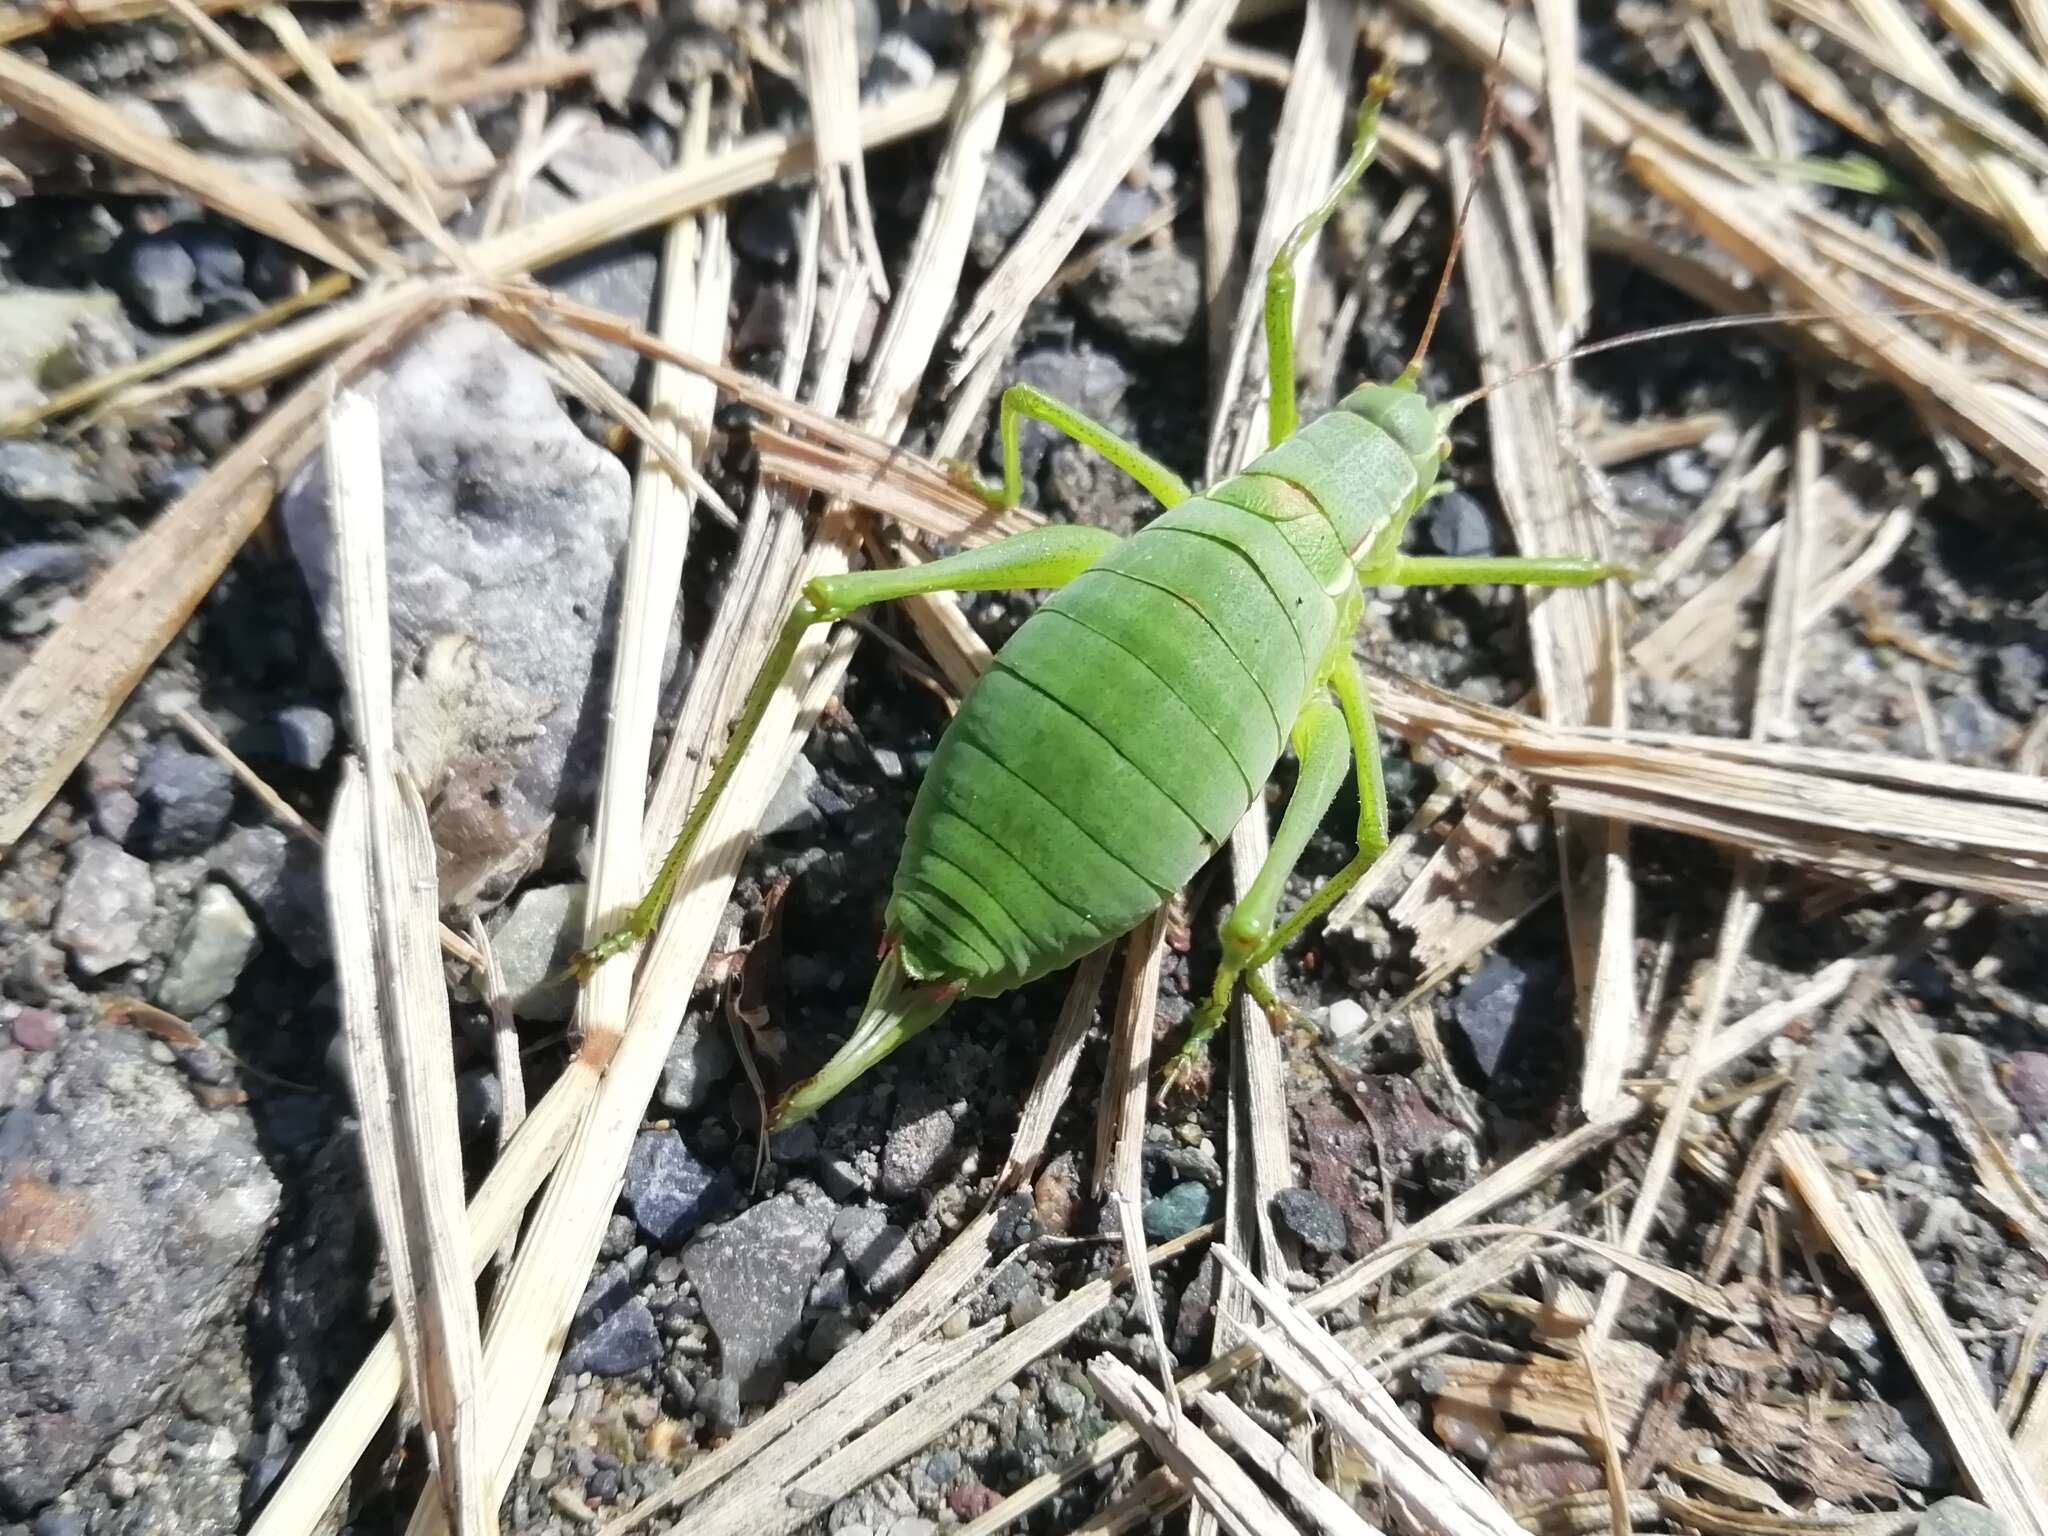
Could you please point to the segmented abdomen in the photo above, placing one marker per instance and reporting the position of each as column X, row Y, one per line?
column 1118, row 738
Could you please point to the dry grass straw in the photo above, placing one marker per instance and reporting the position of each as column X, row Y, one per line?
column 382, row 895
column 55, row 707
column 753, row 162
column 1121, row 129
column 1575, row 634
column 831, row 62
column 56, row 105
column 1433, row 1489
column 1512, row 1180
column 1224, row 1488
column 1794, row 249
column 2000, row 1184
column 1865, row 816
column 1120, row 1120
column 1860, row 1229
column 696, row 285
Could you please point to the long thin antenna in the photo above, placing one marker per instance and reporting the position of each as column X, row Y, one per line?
column 1677, row 329
column 1489, row 121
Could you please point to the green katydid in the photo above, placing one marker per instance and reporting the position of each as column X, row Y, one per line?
column 1124, row 729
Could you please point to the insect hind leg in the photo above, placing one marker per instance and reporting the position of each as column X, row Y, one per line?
column 1043, row 557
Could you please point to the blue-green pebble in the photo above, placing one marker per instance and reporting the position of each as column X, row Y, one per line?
column 1181, row 1209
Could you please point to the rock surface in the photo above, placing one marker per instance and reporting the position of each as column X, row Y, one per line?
column 504, row 525
column 752, row 1276
column 108, row 898
column 127, row 1213
column 215, row 944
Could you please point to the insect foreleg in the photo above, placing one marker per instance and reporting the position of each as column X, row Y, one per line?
column 1023, row 400
column 1281, row 415
column 1044, row 557
column 1504, row 570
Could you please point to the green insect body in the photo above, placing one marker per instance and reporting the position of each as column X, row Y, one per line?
column 1122, row 732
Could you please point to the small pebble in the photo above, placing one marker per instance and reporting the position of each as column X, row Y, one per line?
column 212, row 950
column 1181, row 1209
column 1345, row 1019
column 956, row 1324
column 916, row 1146
column 670, row 1192
column 1976, row 1078
column 1310, row 1217
column 108, row 897
column 622, row 1343
column 185, row 800
column 37, row 1029
column 305, row 735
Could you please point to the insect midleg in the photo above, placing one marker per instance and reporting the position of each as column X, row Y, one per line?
column 1503, row 570
column 1282, row 416
column 1044, row 557
column 1026, row 400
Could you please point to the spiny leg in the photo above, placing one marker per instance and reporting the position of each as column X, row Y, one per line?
column 1349, row 684
column 1025, row 400
column 1282, row 416
column 1321, row 745
column 1505, row 570
column 1044, row 557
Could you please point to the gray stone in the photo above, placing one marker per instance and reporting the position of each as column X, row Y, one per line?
column 49, row 563
column 52, row 481
column 534, row 941
column 279, row 878
column 700, row 1058
column 160, row 280
column 2014, row 676
column 128, row 1219
column 829, row 1335
column 1345, row 1018
column 1958, row 1516
column 108, row 898
column 751, row 1277
column 504, row 525
column 185, row 799
column 38, row 327
column 1150, row 297
column 1066, row 1400
column 1181, row 1209
column 1976, row 1078
column 884, row 1263
column 2026, row 1081
column 1311, row 1218
column 669, row 1192
column 792, row 808
column 622, row 1342
column 1007, row 203
column 305, row 735
column 213, row 947
column 900, row 64
column 917, row 1144
column 1455, row 524
column 1492, row 1006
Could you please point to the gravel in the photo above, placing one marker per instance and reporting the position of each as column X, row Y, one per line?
column 212, row 949
column 752, row 1276
column 108, row 899
column 119, row 1185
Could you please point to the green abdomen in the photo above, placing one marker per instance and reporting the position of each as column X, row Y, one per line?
column 1117, row 739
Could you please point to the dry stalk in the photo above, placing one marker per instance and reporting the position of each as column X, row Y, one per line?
column 382, row 895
